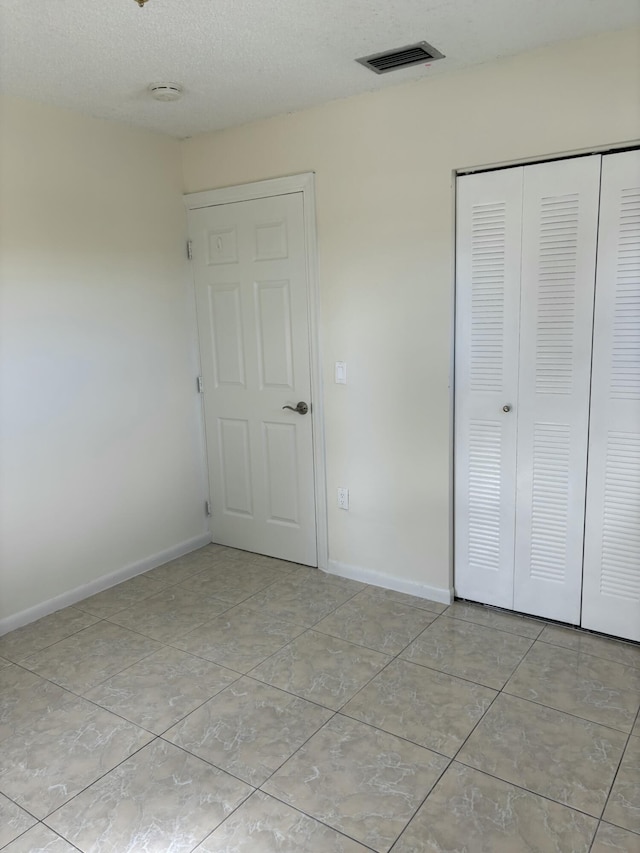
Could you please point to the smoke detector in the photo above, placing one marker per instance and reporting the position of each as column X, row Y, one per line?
column 166, row 91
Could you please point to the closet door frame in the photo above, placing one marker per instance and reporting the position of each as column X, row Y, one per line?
column 610, row 148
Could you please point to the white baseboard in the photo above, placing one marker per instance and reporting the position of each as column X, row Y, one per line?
column 65, row 599
column 443, row 595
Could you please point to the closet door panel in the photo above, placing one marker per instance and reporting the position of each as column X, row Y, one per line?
column 560, row 221
column 489, row 208
column 611, row 591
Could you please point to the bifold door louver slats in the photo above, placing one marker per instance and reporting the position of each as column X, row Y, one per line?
column 547, row 410
column 401, row 57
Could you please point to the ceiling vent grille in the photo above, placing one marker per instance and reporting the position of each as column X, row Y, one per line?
column 403, row 57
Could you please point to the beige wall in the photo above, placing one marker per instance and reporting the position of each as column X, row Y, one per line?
column 99, row 454
column 384, row 166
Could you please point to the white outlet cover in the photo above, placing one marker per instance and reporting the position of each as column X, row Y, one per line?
column 343, row 498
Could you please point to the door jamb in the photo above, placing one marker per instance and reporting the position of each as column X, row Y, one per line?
column 305, row 184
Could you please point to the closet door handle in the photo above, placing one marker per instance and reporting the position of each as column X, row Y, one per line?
column 506, row 408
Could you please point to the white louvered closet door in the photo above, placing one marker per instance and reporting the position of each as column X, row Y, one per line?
column 611, row 591
column 488, row 239
column 559, row 235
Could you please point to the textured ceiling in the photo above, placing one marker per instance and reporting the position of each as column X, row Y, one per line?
column 241, row 60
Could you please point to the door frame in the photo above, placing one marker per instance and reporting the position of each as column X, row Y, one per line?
column 303, row 183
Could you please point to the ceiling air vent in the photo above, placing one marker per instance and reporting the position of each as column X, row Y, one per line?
column 403, row 57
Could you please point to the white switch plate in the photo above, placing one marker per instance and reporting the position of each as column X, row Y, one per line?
column 341, row 372
column 343, row 498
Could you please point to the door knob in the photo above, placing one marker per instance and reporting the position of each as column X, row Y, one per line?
column 506, row 408
column 301, row 408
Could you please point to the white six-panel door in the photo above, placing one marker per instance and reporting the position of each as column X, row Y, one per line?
column 611, row 594
column 251, row 292
column 488, row 250
column 559, row 236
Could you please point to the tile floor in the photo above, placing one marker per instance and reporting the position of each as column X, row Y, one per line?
column 231, row 703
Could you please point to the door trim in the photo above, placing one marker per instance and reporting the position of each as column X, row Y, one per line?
column 305, row 184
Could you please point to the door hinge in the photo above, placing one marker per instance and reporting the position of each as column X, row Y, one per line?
column 190, row 249
column 207, row 507
column 200, row 384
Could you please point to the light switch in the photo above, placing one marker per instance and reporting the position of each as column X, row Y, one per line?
column 341, row 372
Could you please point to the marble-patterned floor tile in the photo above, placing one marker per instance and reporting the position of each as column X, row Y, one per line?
column 322, row 669
column 548, row 752
column 618, row 651
column 54, row 758
column 430, row 708
column 612, row 839
column 265, row 825
column 249, row 729
column 469, row 811
column 161, row 799
column 161, row 689
column 498, row 619
column 90, row 656
column 4, row 662
column 25, row 697
column 265, row 571
column 13, row 820
column 304, row 602
column 214, row 549
column 590, row 687
column 268, row 568
column 239, row 639
column 40, row 839
column 170, row 614
column 175, row 572
column 237, row 554
column 233, row 581
column 110, row 601
column 319, row 578
column 358, row 780
column 385, row 626
column 184, row 567
column 469, row 651
column 273, row 563
column 380, row 593
column 623, row 807
column 23, row 642
column 636, row 729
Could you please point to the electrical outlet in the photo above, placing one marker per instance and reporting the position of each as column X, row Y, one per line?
column 343, row 498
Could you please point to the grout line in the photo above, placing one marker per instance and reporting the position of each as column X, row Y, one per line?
column 582, row 653
column 210, row 763
column 24, row 809
column 615, row 775
column 94, row 782
column 561, row 711
column 35, row 826
column 294, row 695
column 493, row 627
column 317, row 820
column 486, row 711
column 449, row 674
column 529, row 791
column 55, row 642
